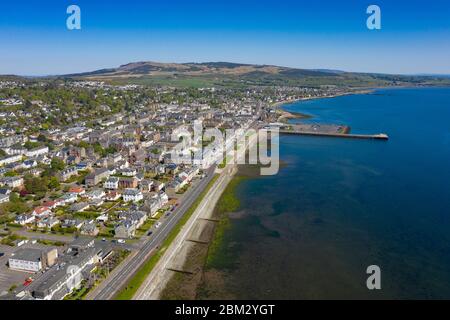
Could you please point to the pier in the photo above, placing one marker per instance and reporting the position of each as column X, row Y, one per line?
column 380, row 136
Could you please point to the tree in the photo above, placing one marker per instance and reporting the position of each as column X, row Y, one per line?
column 57, row 164
column 83, row 144
column 98, row 148
column 53, row 183
column 31, row 145
column 11, row 174
column 42, row 138
column 36, row 185
column 14, row 197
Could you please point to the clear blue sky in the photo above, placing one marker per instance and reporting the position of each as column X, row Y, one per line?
column 415, row 34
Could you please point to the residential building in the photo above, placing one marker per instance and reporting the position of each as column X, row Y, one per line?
column 24, row 219
column 128, row 183
column 79, row 207
column 37, row 151
column 97, row 176
column 41, row 212
column 112, row 183
column 26, row 259
column 89, row 229
column 79, row 191
column 131, row 221
column 10, row 159
column 12, row 182
column 48, row 222
column 67, row 173
column 133, row 195
column 4, row 198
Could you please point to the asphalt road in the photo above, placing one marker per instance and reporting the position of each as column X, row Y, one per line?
column 156, row 280
column 116, row 281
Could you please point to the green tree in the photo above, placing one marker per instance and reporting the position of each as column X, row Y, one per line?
column 42, row 138
column 53, row 183
column 36, row 185
column 57, row 164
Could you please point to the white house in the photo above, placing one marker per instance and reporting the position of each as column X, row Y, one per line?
column 129, row 172
column 37, row 151
column 49, row 222
column 69, row 198
column 112, row 183
column 29, row 260
column 133, row 195
column 12, row 182
column 4, row 198
column 95, row 194
column 11, row 159
column 24, row 219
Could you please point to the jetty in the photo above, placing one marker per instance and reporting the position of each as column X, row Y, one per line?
column 324, row 130
column 380, row 136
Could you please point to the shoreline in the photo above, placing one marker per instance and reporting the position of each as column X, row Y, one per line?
column 199, row 257
column 279, row 104
column 202, row 256
column 189, row 286
column 214, row 277
column 206, row 211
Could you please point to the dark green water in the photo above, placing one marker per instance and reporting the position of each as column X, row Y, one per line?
column 341, row 205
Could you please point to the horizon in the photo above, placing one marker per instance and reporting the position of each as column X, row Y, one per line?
column 232, row 62
column 414, row 37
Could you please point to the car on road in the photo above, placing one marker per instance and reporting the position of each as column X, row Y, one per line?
column 158, row 224
column 149, row 233
column 121, row 241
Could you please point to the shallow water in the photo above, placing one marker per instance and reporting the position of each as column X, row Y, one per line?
column 340, row 205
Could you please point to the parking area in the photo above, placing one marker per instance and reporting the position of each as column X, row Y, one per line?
column 9, row 278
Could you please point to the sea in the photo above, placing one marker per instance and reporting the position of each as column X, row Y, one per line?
column 338, row 206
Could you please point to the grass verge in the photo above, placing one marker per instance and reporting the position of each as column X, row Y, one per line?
column 138, row 278
column 228, row 202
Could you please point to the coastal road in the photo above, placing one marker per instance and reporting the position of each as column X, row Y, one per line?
column 118, row 278
column 158, row 277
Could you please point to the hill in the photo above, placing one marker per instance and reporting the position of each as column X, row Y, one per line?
column 225, row 74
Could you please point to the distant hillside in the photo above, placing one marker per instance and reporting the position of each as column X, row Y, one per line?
column 236, row 74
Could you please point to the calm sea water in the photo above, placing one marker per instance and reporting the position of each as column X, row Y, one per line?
column 340, row 205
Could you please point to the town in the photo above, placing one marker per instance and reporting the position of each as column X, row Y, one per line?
column 87, row 175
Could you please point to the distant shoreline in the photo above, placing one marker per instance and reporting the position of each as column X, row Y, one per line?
column 284, row 114
column 279, row 104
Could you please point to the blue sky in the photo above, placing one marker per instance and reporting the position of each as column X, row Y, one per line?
column 415, row 34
